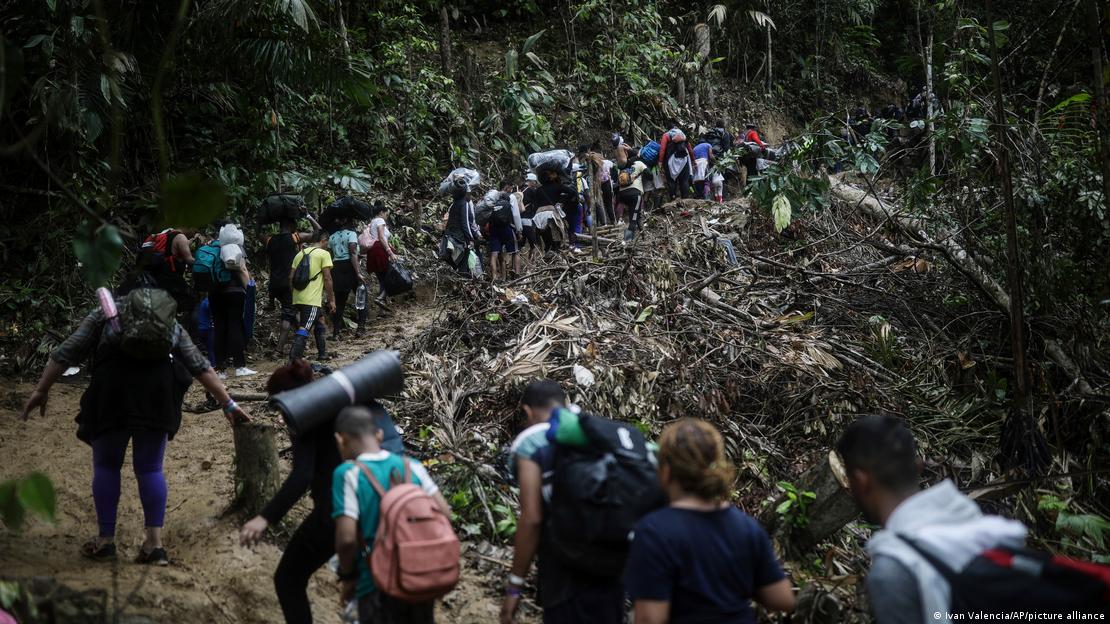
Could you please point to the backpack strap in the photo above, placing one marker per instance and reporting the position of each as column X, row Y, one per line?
column 377, row 485
column 941, row 567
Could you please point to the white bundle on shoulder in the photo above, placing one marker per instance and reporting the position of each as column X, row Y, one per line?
column 231, row 247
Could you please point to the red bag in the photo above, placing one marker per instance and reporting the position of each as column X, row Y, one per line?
column 416, row 552
column 377, row 258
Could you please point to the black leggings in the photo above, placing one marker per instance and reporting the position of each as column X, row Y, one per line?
column 607, row 203
column 633, row 201
column 227, row 326
column 312, row 544
column 344, row 283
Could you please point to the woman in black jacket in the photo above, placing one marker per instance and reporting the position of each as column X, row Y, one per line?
column 315, row 458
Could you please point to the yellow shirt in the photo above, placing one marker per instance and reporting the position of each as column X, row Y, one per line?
column 318, row 260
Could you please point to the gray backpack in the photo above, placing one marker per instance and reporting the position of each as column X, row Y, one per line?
column 148, row 318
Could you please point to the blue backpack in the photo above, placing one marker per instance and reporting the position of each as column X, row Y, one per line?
column 650, row 152
column 208, row 269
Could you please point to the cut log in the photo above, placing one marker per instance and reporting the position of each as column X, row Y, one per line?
column 832, row 508
column 959, row 258
column 256, row 467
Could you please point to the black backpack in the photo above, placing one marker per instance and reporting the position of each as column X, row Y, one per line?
column 148, row 323
column 502, row 214
column 598, row 494
column 303, row 276
column 1004, row 580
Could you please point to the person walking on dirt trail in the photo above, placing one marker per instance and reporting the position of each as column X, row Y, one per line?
column 228, row 300
column 883, row 470
column 280, row 250
column 380, row 253
column 553, row 196
column 703, row 159
column 346, row 273
column 630, row 180
column 309, row 278
column 315, row 458
column 567, row 596
column 676, row 159
column 166, row 257
column 356, row 510
column 461, row 233
column 142, row 364
column 528, row 213
column 701, row 559
column 751, row 135
column 504, row 225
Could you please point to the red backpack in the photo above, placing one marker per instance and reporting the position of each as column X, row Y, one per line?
column 1005, row 579
column 156, row 251
column 416, row 552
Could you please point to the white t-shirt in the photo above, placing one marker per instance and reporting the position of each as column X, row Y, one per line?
column 378, row 222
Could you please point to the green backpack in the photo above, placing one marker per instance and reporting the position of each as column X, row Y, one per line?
column 148, row 318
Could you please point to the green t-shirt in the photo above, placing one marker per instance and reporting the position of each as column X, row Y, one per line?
column 354, row 497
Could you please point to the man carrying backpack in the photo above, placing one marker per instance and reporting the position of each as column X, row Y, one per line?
column 676, row 159
column 166, row 257
column 309, row 278
column 360, row 486
column 567, row 595
column 504, row 225
column 882, row 466
column 281, row 248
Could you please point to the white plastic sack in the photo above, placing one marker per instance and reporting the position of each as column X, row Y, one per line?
column 583, row 376
column 231, row 235
column 231, row 255
column 560, row 158
column 472, row 177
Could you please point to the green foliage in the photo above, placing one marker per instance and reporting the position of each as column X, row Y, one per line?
column 190, row 200
column 99, row 250
column 32, row 494
column 794, row 509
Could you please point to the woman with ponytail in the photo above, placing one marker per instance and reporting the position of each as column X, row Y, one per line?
column 701, row 559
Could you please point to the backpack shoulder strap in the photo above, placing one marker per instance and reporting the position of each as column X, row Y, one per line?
column 377, row 485
column 941, row 567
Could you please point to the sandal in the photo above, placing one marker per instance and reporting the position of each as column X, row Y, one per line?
column 102, row 552
column 156, row 557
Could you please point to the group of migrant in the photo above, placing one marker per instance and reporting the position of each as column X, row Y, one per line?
column 566, row 192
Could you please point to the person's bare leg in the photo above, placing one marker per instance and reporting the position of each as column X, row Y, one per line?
column 494, row 265
column 153, row 539
column 516, row 263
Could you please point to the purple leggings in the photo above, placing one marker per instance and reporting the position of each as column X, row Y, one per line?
column 147, row 450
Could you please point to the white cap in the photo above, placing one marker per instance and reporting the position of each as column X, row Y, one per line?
column 531, row 177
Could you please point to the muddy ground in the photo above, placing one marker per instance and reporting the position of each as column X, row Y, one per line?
column 211, row 578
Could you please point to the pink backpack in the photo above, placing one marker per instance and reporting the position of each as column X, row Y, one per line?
column 364, row 240
column 416, row 552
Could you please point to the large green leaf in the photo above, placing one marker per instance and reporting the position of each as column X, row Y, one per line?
column 190, row 200
column 780, row 212
column 36, row 494
column 11, row 512
column 531, row 41
column 98, row 249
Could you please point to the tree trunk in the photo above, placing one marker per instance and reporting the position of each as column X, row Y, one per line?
column 929, row 104
column 341, row 26
column 769, row 73
column 1102, row 115
column 680, row 91
column 832, row 508
column 256, row 467
column 444, row 41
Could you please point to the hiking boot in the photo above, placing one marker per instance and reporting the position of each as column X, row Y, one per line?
column 243, row 371
column 156, row 557
column 323, row 357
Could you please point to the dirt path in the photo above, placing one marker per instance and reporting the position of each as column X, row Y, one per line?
column 211, row 579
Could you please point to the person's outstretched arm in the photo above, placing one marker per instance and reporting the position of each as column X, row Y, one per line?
column 291, row 490
column 778, row 596
column 41, row 394
column 527, row 540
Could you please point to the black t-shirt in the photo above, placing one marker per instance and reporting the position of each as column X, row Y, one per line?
column 531, row 202
column 707, row 564
column 281, row 249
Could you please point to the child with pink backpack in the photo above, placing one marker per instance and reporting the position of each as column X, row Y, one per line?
column 397, row 550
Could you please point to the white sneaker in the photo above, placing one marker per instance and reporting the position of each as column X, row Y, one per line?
column 245, row 372
column 221, row 375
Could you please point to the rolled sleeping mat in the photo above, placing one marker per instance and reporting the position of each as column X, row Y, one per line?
column 376, row 375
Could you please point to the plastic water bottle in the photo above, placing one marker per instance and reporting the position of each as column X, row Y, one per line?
column 108, row 305
column 360, row 297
